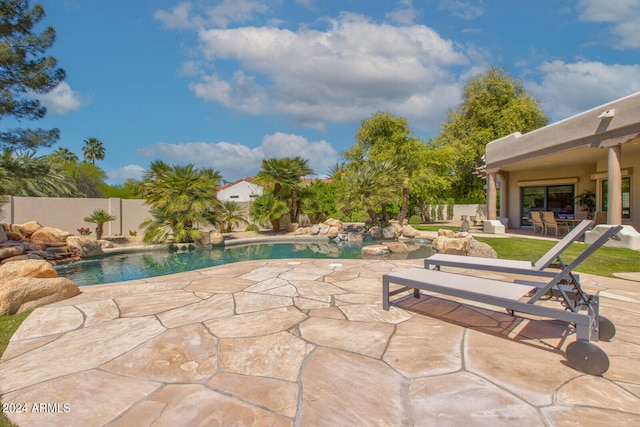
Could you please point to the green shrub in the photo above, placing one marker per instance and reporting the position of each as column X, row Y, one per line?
column 252, row 227
column 414, row 220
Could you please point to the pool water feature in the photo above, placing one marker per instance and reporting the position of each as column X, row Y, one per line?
column 140, row 265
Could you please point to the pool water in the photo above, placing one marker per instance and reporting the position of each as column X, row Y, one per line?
column 140, row 265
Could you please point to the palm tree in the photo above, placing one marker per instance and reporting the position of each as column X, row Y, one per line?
column 25, row 175
column 64, row 155
column 268, row 209
column 371, row 185
column 181, row 198
column 99, row 217
column 93, row 149
column 230, row 215
column 285, row 175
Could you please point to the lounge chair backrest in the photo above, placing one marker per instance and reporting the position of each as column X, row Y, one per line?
column 553, row 253
column 567, row 270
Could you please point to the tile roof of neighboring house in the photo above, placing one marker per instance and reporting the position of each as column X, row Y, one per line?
column 230, row 184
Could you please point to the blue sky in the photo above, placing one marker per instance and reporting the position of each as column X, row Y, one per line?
column 226, row 83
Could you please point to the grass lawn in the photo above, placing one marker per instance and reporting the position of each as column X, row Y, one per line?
column 8, row 325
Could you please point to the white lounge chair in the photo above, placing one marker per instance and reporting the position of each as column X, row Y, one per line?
column 578, row 307
column 536, row 268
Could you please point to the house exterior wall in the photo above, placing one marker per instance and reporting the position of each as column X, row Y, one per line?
column 585, row 177
column 242, row 191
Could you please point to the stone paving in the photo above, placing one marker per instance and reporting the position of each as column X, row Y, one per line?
column 306, row 343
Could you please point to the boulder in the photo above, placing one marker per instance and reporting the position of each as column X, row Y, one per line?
column 375, row 232
column 12, row 235
column 397, row 247
column 292, row 226
column 446, row 233
column 301, row 231
column 409, row 232
column 23, row 257
column 331, row 222
column 375, row 250
column 314, row 230
column 84, row 246
column 3, row 235
column 28, row 228
column 355, row 236
column 392, row 231
column 25, row 293
column 27, row 268
column 105, row 243
column 324, row 229
column 216, row 238
column 11, row 250
column 333, row 232
column 452, row 246
column 50, row 236
column 479, row 249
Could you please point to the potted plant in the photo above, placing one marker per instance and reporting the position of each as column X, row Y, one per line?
column 587, row 201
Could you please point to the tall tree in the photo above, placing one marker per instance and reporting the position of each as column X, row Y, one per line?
column 383, row 138
column 64, row 155
column 24, row 71
column 493, row 105
column 368, row 186
column 93, row 150
column 181, row 199
column 284, row 176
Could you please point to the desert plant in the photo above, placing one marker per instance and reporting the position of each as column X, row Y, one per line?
column 252, row 227
column 99, row 217
column 84, row 231
column 415, row 219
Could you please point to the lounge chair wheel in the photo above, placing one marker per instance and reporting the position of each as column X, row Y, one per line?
column 587, row 357
column 606, row 329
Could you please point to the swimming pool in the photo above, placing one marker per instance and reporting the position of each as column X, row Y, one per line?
column 140, row 265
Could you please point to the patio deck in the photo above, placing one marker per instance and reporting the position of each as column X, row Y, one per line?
column 306, row 342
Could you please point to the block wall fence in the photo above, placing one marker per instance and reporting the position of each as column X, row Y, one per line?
column 68, row 213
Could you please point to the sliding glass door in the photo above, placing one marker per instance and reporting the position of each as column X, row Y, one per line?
column 559, row 199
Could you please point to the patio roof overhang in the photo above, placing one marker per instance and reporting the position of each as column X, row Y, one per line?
column 580, row 139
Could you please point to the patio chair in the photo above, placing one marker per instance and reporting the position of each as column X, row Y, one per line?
column 550, row 223
column 577, row 307
column 536, row 268
column 536, row 219
column 601, row 217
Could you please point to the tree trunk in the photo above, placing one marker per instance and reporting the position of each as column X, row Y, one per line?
column 99, row 231
column 374, row 219
column 405, row 205
column 384, row 213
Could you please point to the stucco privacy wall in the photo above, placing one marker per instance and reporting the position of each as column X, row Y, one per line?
column 68, row 213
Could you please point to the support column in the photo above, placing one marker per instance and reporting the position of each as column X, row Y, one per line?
column 491, row 196
column 614, row 198
column 503, row 195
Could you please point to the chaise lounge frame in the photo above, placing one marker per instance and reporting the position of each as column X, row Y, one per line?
column 537, row 268
column 580, row 308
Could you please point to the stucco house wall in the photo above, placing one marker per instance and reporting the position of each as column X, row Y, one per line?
column 240, row 191
column 584, row 150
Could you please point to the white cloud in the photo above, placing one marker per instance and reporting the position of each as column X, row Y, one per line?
column 62, row 99
column 187, row 15
column 119, row 176
column 623, row 15
column 342, row 74
column 571, row 88
column 466, row 10
column 236, row 160
column 405, row 14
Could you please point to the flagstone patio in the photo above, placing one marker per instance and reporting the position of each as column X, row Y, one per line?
column 306, row 343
